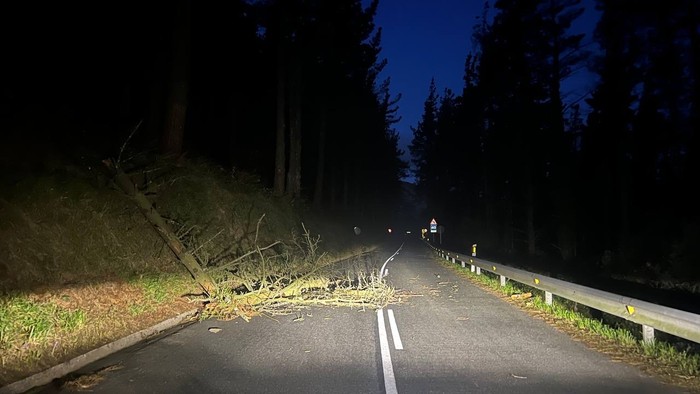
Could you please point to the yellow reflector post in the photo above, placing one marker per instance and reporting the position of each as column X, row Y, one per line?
column 630, row 309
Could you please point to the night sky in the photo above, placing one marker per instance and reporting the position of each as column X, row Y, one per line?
column 431, row 39
column 420, row 40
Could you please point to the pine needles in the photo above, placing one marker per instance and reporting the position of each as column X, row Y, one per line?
column 272, row 283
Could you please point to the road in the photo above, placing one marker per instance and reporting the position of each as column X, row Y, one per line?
column 445, row 336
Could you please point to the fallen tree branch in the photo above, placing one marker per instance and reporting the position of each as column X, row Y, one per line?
column 119, row 158
column 166, row 233
column 233, row 263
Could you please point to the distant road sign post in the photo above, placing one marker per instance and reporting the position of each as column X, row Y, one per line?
column 433, row 228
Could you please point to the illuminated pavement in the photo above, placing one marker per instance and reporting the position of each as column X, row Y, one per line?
column 454, row 338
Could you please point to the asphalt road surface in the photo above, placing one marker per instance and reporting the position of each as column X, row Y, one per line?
column 445, row 336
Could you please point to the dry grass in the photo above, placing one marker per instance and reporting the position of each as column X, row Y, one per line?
column 271, row 283
column 286, row 295
column 107, row 310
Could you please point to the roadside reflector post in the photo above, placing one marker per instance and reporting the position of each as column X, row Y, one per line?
column 473, row 250
column 647, row 334
column 503, row 281
column 548, row 298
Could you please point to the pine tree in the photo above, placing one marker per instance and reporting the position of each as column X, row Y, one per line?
column 524, row 54
column 173, row 134
column 423, row 147
column 606, row 139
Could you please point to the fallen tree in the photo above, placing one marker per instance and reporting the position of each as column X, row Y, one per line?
column 124, row 182
column 279, row 278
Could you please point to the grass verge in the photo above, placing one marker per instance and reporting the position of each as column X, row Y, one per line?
column 43, row 328
column 673, row 363
column 82, row 267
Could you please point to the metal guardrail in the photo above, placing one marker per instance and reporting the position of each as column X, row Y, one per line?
column 651, row 316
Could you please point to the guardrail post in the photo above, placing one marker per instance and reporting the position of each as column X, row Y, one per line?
column 503, row 281
column 463, row 264
column 478, row 270
column 548, row 298
column 473, row 267
column 647, row 334
column 453, row 260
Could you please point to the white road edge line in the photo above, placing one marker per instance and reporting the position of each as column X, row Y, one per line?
column 381, row 270
column 394, row 331
column 387, row 367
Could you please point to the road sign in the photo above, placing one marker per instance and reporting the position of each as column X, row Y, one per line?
column 433, row 226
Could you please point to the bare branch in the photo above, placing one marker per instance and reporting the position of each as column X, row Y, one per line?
column 119, row 158
column 232, row 263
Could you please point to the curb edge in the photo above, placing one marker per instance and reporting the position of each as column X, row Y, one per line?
column 72, row 365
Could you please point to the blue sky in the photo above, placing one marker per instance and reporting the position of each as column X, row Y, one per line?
column 431, row 39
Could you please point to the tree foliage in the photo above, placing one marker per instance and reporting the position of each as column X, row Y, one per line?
column 225, row 80
column 516, row 164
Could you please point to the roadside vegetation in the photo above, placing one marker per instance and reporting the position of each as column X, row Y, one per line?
column 671, row 359
column 82, row 266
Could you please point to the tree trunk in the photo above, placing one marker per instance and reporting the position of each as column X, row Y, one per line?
column 333, row 194
column 280, row 146
column 173, row 134
column 156, row 100
column 162, row 228
column 320, row 164
column 531, row 235
column 294, row 170
column 694, row 143
column 346, row 186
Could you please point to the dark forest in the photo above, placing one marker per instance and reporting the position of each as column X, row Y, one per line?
column 290, row 91
column 286, row 91
column 514, row 163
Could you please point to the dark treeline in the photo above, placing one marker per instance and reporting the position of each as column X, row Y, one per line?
column 287, row 90
column 516, row 165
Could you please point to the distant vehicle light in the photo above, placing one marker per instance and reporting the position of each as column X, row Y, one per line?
column 389, row 230
column 408, row 231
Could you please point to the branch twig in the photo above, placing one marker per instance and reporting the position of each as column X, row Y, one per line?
column 257, row 228
column 119, row 158
column 232, row 263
